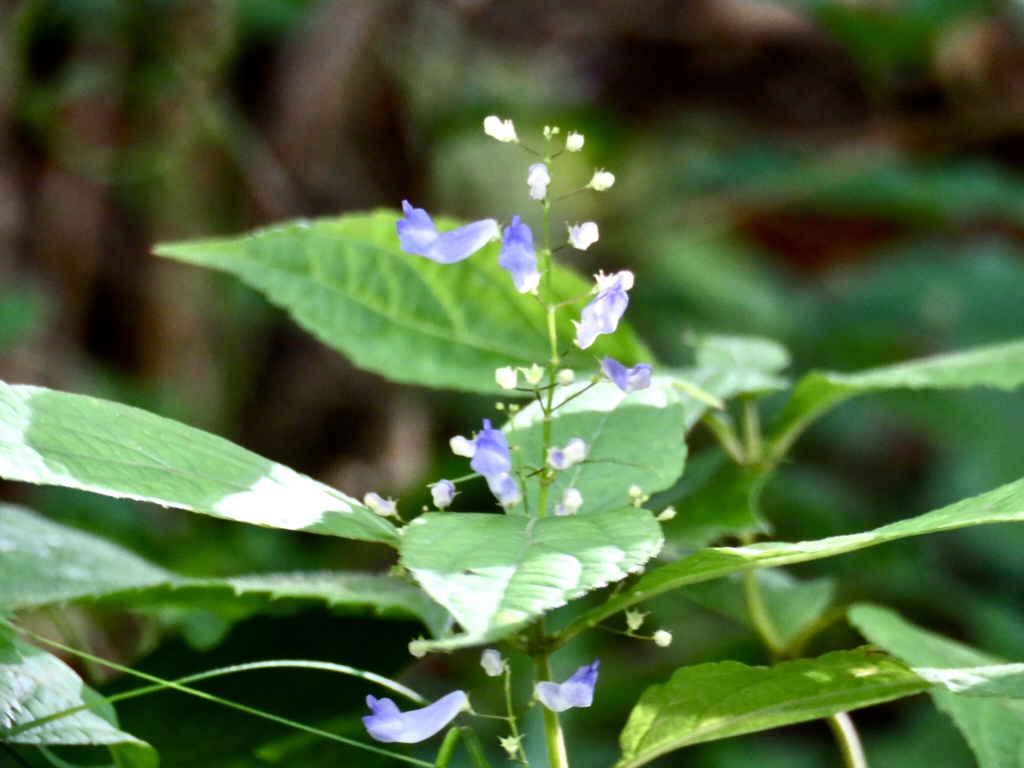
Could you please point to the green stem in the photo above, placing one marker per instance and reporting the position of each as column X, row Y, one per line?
column 512, row 724
column 849, row 742
column 216, row 699
column 759, row 615
column 752, row 431
column 552, row 313
column 557, row 757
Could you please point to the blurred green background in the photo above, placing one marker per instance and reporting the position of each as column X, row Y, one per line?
column 846, row 176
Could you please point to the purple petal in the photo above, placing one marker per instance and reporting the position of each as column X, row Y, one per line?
column 518, row 257
column 416, row 232
column 602, row 314
column 389, row 724
column 491, row 458
column 577, row 691
column 463, row 242
column 627, row 379
column 505, row 488
column 418, row 235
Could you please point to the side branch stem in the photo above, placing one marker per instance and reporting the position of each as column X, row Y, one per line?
column 848, row 740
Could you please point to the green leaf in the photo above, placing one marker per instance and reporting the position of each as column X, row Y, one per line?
column 737, row 365
column 999, row 366
column 56, row 438
column 631, row 439
column 44, row 563
column 723, row 699
column 35, row 685
column 993, row 727
column 725, row 504
column 347, row 282
column 1001, row 505
column 494, row 573
column 791, row 605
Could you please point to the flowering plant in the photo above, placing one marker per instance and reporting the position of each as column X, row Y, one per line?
column 586, row 518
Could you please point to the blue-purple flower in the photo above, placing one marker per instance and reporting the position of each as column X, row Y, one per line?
column 577, row 691
column 443, row 493
column 603, row 313
column 419, row 236
column 627, row 379
column 488, row 454
column 518, row 257
column 389, row 724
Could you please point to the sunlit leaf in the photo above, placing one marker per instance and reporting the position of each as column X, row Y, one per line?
column 56, row 438
column 495, row 573
column 346, row 281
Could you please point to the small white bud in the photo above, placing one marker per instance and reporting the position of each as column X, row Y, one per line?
column 551, row 131
column 574, row 452
column 379, row 506
column 534, row 375
column 565, row 377
column 634, row 619
column 574, row 142
column 462, row 447
column 572, row 500
column 668, row 513
column 538, row 179
column 492, row 662
column 418, row 648
column 635, row 491
column 602, row 180
column 502, row 130
column 663, row 638
column 507, row 377
column 582, row 236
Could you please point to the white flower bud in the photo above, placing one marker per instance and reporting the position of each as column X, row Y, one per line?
column 602, row 180
column 418, row 648
column 572, row 500
column 379, row 506
column 582, row 236
column 669, row 513
column 492, row 662
column 574, row 142
column 565, row 377
column 462, row 447
column 507, row 378
column 635, row 491
column 538, row 179
column 574, row 452
column 663, row 638
column 501, row 130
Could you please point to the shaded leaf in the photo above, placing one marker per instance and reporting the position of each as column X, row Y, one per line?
column 35, row 685
column 999, row 366
column 1001, row 505
column 45, row 563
